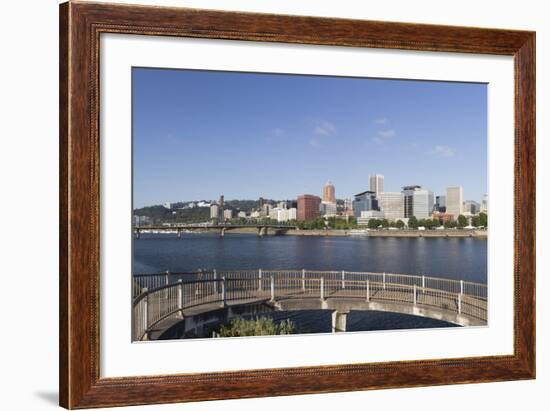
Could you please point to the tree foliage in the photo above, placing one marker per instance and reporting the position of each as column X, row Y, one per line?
column 482, row 219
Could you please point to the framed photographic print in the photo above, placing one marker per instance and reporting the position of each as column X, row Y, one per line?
column 258, row 205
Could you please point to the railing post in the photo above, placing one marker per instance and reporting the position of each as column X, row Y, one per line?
column 224, row 292
column 368, row 291
column 260, row 279
column 460, row 303
column 461, row 287
column 272, row 288
column 423, row 283
column 215, row 277
column 343, row 279
column 303, row 279
column 384, row 280
column 167, row 279
column 322, row 288
column 180, row 295
column 146, row 311
column 414, row 294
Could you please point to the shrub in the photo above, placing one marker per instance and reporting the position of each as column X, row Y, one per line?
column 241, row 327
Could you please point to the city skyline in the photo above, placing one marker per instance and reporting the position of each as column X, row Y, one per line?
column 266, row 144
column 321, row 195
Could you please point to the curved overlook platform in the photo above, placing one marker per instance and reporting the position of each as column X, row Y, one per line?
column 190, row 302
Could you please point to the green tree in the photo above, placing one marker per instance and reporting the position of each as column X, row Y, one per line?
column 475, row 221
column 400, row 224
column 413, row 222
column 373, row 223
column 385, row 223
column 449, row 224
column 462, row 221
column 482, row 219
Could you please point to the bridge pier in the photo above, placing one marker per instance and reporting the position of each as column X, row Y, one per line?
column 137, row 234
column 339, row 321
column 222, row 233
column 262, row 231
column 179, row 233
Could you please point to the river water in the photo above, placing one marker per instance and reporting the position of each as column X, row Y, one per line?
column 455, row 258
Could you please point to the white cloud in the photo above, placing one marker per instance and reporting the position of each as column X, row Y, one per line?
column 324, row 128
column 382, row 136
column 387, row 133
column 381, row 121
column 314, row 142
column 443, row 151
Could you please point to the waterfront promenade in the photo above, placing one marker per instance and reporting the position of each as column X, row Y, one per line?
column 185, row 305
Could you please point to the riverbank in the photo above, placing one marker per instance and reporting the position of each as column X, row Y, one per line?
column 429, row 233
column 451, row 233
column 391, row 233
column 371, row 233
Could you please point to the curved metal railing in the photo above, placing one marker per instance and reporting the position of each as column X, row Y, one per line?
column 158, row 297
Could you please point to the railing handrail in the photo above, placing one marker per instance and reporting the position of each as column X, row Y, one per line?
column 227, row 273
column 210, row 271
column 349, row 281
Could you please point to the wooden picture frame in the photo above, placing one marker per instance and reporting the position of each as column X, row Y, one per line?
column 80, row 27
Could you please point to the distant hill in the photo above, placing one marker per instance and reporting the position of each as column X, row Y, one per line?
column 160, row 214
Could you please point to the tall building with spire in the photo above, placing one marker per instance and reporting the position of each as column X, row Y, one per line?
column 329, row 193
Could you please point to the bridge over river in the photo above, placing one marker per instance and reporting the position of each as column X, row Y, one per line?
column 175, row 305
column 262, row 229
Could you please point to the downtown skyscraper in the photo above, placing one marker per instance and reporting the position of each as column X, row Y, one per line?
column 376, row 183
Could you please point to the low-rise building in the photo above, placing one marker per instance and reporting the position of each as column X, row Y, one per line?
column 227, row 214
column 283, row 214
column 292, row 214
column 365, row 201
column 443, row 217
column 365, row 216
column 472, row 207
column 141, row 220
column 214, row 211
column 328, row 209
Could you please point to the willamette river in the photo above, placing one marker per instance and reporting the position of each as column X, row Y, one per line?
column 456, row 258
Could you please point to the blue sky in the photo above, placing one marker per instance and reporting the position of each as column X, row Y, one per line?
column 199, row 134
